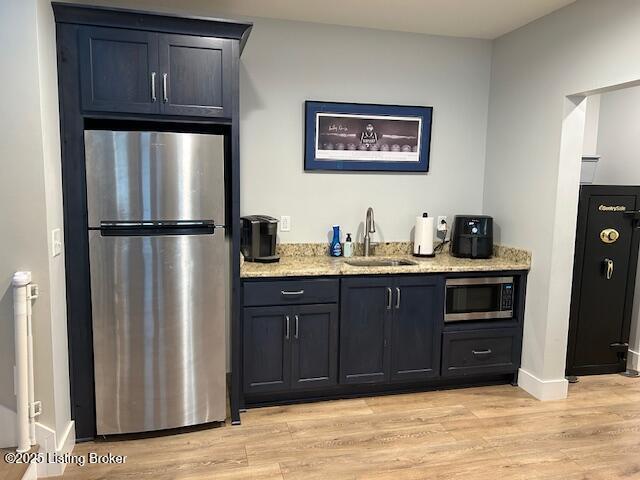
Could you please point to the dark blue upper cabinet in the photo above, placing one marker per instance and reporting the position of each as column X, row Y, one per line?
column 416, row 328
column 195, row 74
column 133, row 71
column 118, row 70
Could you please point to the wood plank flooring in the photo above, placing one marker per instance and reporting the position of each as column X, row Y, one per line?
column 497, row 432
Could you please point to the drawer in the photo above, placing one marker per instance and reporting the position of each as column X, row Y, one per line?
column 290, row 292
column 475, row 352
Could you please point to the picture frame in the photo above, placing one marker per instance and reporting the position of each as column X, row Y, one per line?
column 367, row 137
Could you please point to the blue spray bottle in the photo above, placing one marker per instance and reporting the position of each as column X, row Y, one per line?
column 335, row 248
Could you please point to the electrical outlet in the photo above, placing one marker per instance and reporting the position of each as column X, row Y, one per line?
column 56, row 242
column 440, row 226
column 285, row 223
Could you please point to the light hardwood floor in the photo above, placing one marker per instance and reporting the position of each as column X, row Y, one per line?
column 497, row 432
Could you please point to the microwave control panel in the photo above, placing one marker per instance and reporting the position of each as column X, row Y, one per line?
column 507, row 296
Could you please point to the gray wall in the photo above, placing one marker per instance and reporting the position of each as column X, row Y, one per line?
column 31, row 202
column 286, row 63
column 619, row 138
column 588, row 45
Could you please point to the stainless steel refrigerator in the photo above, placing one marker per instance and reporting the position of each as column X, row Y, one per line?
column 159, row 266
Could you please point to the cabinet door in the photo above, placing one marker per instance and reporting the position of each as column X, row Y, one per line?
column 267, row 349
column 196, row 75
column 364, row 329
column 315, row 346
column 416, row 327
column 119, row 70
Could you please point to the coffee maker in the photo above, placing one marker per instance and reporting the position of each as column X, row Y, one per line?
column 258, row 238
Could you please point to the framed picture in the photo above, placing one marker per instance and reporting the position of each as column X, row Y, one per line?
column 367, row 137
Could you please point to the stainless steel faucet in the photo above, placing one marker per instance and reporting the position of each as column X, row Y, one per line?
column 369, row 227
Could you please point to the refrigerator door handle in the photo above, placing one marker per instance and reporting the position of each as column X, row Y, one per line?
column 149, row 228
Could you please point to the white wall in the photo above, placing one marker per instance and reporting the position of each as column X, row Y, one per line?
column 286, row 63
column 530, row 184
column 31, row 202
column 619, row 145
column 590, row 142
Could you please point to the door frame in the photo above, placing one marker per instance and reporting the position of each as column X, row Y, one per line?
column 587, row 191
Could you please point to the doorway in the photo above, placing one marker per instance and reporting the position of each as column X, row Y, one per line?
column 611, row 132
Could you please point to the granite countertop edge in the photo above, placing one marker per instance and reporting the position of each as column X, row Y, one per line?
column 512, row 259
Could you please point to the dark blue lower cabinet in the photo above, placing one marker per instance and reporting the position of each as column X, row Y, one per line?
column 370, row 334
column 477, row 352
column 267, row 349
column 314, row 354
column 290, row 347
column 416, row 328
column 390, row 328
column 365, row 329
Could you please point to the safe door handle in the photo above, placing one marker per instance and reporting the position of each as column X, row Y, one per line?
column 482, row 352
column 286, row 331
column 389, row 295
column 608, row 263
column 297, row 327
column 289, row 294
column 397, row 298
column 153, row 87
column 165, row 98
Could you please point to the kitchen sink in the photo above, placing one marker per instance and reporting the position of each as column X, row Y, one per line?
column 380, row 262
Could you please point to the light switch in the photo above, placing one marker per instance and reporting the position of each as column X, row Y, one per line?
column 56, row 242
column 285, row 223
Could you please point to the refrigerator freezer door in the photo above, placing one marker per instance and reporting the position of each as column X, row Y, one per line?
column 154, row 176
column 158, row 330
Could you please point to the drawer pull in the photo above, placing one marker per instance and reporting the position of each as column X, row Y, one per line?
column 289, row 294
column 481, row 352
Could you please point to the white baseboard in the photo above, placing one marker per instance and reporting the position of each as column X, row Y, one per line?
column 633, row 360
column 8, row 434
column 543, row 389
column 31, row 473
column 49, row 443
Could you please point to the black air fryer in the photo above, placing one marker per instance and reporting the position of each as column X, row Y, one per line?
column 258, row 239
column 472, row 236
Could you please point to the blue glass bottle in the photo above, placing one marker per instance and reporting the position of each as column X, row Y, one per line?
column 335, row 248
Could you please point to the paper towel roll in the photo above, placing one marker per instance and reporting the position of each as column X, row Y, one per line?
column 423, row 238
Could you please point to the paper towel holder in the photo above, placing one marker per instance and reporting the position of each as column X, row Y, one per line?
column 423, row 237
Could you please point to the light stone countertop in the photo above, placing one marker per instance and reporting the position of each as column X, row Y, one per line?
column 320, row 265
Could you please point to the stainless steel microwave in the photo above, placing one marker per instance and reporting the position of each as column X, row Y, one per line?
column 478, row 298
